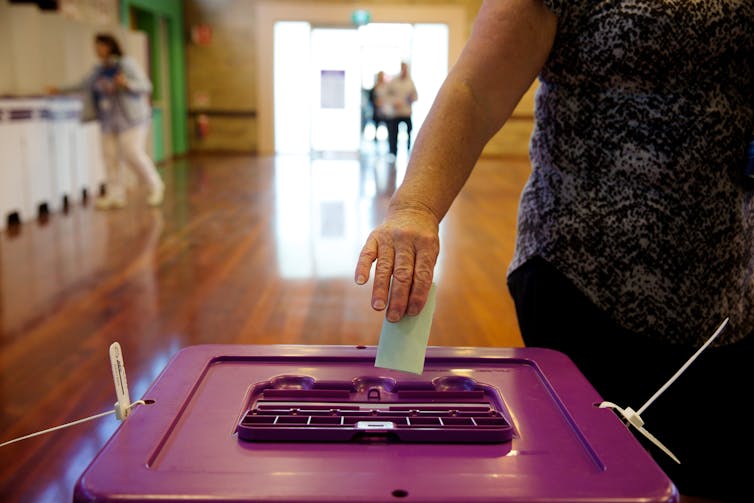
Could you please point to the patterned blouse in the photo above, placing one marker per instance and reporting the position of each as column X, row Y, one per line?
column 644, row 113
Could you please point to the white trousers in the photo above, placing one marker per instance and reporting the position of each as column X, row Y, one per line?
column 128, row 147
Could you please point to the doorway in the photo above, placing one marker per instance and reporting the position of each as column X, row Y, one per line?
column 321, row 75
column 157, row 29
column 291, row 62
column 163, row 24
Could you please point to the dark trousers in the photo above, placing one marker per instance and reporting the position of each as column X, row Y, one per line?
column 392, row 133
column 378, row 120
column 700, row 418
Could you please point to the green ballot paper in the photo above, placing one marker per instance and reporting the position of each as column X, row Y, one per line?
column 403, row 344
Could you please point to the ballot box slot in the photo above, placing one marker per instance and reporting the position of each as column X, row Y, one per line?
column 454, row 409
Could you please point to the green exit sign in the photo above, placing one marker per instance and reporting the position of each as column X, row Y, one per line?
column 361, row 17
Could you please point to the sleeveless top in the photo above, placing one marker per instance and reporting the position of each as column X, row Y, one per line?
column 643, row 118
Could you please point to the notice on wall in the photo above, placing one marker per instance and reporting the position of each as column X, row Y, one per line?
column 333, row 89
column 201, row 34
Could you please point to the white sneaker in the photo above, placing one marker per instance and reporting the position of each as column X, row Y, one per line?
column 156, row 196
column 109, row 203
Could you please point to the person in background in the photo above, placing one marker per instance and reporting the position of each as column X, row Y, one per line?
column 635, row 232
column 120, row 92
column 402, row 95
column 381, row 109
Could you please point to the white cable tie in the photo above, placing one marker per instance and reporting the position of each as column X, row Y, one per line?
column 685, row 366
column 635, row 420
column 659, row 444
column 634, row 417
column 66, row 425
column 119, row 378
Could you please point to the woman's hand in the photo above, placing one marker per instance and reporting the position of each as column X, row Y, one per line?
column 121, row 81
column 104, row 85
column 405, row 247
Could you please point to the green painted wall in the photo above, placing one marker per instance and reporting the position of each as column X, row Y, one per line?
column 172, row 10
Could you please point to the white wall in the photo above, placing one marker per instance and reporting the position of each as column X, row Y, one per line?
column 40, row 49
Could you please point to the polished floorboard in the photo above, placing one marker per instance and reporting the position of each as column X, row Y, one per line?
column 245, row 249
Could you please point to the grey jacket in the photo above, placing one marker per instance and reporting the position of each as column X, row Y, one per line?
column 117, row 109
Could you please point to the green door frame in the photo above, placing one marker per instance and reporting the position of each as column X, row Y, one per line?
column 172, row 11
column 148, row 22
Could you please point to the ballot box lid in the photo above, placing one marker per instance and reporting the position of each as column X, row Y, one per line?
column 541, row 436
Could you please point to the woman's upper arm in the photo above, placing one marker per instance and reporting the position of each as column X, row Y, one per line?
column 510, row 42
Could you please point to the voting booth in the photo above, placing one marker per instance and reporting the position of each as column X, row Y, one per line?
column 64, row 121
column 12, row 180
column 36, row 161
column 49, row 156
column 90, row 138
column 26, row 176
column 294, row 423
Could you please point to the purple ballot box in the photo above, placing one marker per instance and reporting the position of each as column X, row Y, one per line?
column 282, row 423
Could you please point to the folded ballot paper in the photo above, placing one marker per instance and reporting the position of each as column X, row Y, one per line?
column 403, row 344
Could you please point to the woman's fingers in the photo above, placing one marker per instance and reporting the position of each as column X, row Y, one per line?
column 383, row 271
column 405, row 262
column 403, row 275
column 367, row 256
column 426, row 256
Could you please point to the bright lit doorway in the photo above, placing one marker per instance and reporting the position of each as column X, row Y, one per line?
column 320, row 74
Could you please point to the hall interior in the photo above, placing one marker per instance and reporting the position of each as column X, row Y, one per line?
column 251, row 245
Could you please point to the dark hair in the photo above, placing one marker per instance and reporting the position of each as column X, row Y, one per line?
column 110, row 42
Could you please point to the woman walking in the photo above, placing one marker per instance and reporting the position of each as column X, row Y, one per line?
column 120, row 91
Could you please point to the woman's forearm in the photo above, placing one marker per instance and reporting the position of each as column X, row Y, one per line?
column 509, row 45
column 446, row 150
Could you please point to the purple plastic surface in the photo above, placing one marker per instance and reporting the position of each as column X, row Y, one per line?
column 186, row 445
column 447, row 409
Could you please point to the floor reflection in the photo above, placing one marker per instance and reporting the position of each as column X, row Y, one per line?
column 325, row 208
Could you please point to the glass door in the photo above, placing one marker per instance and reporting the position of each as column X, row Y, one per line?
column 335, row 90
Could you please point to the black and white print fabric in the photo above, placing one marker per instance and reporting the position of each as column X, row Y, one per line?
column 644, row 113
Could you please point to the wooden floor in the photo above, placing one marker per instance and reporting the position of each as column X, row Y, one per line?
column 245, row 250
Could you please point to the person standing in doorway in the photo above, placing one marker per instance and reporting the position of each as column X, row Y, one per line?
column 120, row 91
column 381, row 108
column 402, row 95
